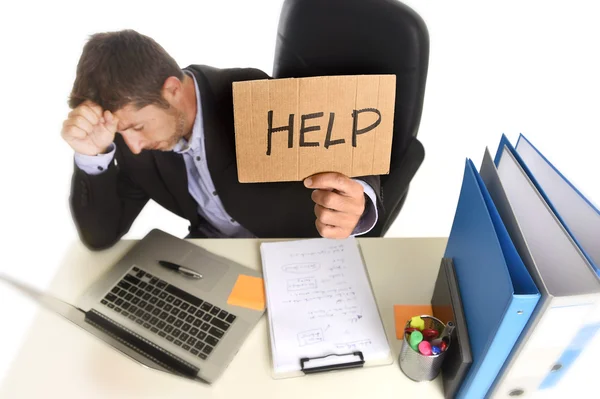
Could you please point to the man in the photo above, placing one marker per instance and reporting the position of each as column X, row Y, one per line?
column 176, row 145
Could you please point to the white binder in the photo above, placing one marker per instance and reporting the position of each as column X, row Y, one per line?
column 569, row 286
column 579, row 216
column 581, row 219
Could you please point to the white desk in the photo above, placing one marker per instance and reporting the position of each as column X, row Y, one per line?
column 58, row 359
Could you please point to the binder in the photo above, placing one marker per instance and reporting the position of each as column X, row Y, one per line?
column 570, row 290
column 497, row 292
column 446, row 305
column 322, row 312
column 581, row 219
column 577, row 214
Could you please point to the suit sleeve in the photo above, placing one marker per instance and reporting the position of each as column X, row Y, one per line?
column 104, row 206
column 375, row 184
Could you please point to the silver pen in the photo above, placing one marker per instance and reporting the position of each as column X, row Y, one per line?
column 446, row 333
column 180, row 269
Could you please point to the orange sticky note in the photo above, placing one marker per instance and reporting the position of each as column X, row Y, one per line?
column 248, row 292
column 403, row 313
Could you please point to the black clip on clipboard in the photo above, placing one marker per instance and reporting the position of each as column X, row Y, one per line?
column 357, row 360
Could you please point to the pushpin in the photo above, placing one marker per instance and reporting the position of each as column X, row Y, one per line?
column 429, row 334
column 436, row 350
column 415, row 339
column 443, row 346
column 417, row 322
column 425, row 348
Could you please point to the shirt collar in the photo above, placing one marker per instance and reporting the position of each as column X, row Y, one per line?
column 183, row 145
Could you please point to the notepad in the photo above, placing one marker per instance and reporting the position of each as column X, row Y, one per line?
column 320, row 303
column 248, row 292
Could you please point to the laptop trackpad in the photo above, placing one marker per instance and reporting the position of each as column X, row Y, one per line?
column 211, row 269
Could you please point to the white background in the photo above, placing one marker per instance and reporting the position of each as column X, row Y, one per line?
column 508, row 67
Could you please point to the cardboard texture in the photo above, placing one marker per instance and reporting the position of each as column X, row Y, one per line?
column 289, row 129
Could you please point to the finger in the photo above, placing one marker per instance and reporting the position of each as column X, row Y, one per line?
column 334, row 218
column 327, row 231
column 95, row 108
column 72, row 132
column 336, row 181
column 110, row 120
column 81, row 123
column 338, row 202
column 87, row 113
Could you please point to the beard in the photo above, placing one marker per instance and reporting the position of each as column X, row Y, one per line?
column 179, row 128
column 179, row 125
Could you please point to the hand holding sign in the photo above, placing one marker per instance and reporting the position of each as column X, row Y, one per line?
column 339, row 203
column 89, row 130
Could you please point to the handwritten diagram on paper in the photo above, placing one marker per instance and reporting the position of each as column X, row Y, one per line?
column 301, row 284
column 319, row 301
column 310, row 337
column 301, row 268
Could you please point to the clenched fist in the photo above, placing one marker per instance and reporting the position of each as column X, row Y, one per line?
column 89, row 130
column 339, row 203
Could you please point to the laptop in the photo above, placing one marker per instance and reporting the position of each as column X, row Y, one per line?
column 162, row 318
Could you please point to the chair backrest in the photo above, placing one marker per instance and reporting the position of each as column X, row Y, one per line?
column 352, row 37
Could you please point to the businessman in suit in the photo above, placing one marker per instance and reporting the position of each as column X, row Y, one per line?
column 176, row 145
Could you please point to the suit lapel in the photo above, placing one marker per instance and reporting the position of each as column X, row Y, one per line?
column 218, row 134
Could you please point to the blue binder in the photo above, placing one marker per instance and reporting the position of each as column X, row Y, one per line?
column 498, row 292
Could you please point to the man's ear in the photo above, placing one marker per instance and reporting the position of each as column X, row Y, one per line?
column 172, row 90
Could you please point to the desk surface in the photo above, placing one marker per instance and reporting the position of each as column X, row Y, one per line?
column 57, row 358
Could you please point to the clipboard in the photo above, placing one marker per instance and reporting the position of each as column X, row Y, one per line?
column 324, row 363
column 353, row 337
column 331, row 362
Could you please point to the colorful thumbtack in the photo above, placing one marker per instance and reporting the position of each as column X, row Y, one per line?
column 417, row 322
column 443, row 346
column 429, row 334
column 436, row 350
column 425, row 348
column 415, row 339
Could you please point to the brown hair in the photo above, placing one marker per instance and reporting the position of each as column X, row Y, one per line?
column 120, row 68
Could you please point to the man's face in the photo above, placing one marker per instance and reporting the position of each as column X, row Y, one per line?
column 150, row 128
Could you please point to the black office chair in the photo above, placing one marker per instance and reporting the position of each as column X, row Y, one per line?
column 353, row 37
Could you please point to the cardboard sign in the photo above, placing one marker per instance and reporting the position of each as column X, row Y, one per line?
column 289, row 129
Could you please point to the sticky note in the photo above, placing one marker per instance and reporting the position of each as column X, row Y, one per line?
column 403, row 313
column 248, row 292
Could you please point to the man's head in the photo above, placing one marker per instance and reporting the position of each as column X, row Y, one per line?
column 133, row 77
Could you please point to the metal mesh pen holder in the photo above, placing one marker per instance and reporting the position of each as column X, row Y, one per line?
column 417, row 366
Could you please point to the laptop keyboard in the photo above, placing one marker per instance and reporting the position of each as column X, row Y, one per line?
column 173, row 314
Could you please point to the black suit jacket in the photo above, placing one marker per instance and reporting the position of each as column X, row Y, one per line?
column 104, row 206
